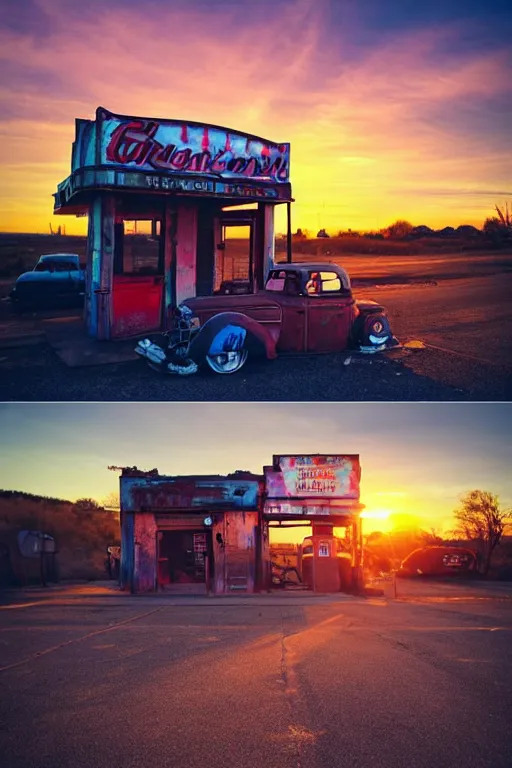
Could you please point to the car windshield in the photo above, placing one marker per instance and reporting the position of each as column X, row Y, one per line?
column 57, row 265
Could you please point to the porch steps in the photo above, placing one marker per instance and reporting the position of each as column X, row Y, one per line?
column 238, row 586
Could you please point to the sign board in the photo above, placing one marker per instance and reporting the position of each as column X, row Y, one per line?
column 305, row 508
column 35, row 543
column 146, row 154
column 100, row 178
column 331, row 477
column 177, row 147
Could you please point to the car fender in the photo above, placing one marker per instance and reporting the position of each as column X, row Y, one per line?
column 201, row 343
column 367, row 306
column 369, row 314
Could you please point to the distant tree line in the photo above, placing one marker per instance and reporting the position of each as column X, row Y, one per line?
column 498, row 229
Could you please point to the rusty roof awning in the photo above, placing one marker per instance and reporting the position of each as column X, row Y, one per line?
column 74, row 195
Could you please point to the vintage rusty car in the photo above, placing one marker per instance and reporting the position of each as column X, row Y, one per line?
column 57, row 278
column 304, row 308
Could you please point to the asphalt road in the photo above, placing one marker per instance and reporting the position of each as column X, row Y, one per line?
column 279, row 681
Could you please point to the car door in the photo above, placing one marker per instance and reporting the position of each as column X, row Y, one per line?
column 286, row 291
column 329, row 313
column 292, row 337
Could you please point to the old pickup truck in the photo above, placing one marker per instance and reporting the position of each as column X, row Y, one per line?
column 304, row 308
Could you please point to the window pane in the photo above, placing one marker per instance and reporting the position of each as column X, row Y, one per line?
column 140, row 250
column 233, row 262
column 275, row 284
column 330, row 282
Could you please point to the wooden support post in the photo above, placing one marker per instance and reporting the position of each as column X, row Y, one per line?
column 106, row 267
column 100, row 267
column 169, row 234
column 289, row 233
column 269, row 240
column 186, row 252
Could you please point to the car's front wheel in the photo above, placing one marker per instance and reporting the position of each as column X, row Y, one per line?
column 228, row 362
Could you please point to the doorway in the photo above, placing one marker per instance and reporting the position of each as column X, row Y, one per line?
column 234, row 252
column 185, row 559
column 138, row 279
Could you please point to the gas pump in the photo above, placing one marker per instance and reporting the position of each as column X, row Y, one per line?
column 325, row 575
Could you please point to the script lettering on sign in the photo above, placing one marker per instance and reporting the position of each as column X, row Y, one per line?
column 169, row 146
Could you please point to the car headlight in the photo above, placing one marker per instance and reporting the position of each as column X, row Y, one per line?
column 187, row 317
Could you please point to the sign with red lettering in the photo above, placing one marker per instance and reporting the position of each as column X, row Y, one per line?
column 149, row 144
column 313, row 476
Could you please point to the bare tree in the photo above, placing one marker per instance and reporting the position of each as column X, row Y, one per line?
column 481, row 519
column 86, row 505
column 111, row 501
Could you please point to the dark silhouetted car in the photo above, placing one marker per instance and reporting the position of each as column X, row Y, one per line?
column 304, row 308
column 439, row 561
column 57, row 279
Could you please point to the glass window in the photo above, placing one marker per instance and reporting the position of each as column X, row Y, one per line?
column 283, row 281
column 330, row 282
column 322, row 283
column 138, row 248
column 275, row 284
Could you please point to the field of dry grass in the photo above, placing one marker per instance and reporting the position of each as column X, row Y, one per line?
column 338, row 246
column 81, row 536
column 19, row 253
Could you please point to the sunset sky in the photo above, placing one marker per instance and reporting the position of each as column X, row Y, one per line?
column 416, row 458
column 393, row 110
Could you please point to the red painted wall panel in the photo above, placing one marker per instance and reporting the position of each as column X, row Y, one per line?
column 137, row 305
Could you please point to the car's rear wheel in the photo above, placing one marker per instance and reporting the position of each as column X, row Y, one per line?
column 228, row 362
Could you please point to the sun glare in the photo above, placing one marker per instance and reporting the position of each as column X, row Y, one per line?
column 376, row 514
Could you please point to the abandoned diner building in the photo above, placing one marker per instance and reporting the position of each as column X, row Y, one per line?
column 161, row 196
column 215, row 531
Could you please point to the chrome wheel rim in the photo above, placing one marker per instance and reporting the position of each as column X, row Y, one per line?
column 227, row 362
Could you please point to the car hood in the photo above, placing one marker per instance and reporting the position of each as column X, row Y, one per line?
column 229, row 303
column 257, row 306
